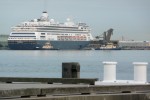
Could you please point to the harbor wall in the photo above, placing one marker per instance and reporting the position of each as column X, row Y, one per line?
column 103, row 97
column 18, row 88
column 36, row 91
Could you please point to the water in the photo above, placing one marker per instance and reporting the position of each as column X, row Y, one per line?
column 40, row 63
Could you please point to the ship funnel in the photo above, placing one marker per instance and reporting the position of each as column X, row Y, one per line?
column 44, row 16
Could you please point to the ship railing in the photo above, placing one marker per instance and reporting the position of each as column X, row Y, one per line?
column 21, row 38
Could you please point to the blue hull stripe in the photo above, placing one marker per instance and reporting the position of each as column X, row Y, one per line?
column 62, row 45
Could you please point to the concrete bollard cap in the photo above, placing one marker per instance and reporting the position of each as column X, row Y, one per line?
column 109, row 62
column 140, row 63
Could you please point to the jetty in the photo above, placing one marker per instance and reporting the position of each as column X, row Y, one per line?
column 41, row 91
column 75, row 88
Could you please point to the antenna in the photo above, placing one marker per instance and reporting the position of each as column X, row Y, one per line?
column 45, row 5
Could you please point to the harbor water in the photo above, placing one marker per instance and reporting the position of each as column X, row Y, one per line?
column 48, row 63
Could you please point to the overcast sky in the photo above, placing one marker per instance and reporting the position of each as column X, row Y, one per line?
column 128, row 18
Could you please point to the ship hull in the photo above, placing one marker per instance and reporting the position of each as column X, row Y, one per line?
column 48, row 45
column 21, row 45
column 69, row 45
column 108, row 49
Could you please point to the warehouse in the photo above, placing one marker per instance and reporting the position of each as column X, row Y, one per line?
column 135, row 45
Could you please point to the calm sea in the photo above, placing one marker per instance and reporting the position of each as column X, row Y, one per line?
column 46, row 63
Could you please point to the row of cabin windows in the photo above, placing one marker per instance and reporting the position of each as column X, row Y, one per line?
column 22, row 36
column 22, row 33
column 25, row 38
column 44, row 34
column 21, row 43
column 24, row 42
column 71, row 38
column 63, row 34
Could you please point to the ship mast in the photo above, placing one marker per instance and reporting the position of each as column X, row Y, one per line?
column 45, row 5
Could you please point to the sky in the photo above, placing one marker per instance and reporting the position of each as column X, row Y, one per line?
column 130, row 19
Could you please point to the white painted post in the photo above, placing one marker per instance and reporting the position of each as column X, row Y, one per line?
column 110, row 71
column 140, row 71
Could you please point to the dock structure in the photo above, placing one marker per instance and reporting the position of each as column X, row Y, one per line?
column 41, row 91
column 75, row 88
column 90, row 81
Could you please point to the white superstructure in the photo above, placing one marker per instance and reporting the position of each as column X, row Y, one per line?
column 45, row 29
column 42, row 31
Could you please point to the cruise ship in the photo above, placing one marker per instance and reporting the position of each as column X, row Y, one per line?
column 45, row 33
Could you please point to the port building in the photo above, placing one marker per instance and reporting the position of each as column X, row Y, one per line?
column 135, row 45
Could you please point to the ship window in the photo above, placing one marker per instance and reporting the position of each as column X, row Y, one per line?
column 22, row 36
column 42, row 33
column 22, row 33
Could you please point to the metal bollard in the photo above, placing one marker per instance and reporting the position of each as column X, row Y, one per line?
column 109, row 71
column 140, row 71
column 70, row 70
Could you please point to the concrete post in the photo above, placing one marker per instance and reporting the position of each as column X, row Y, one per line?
column 140, row 71
column 109, row 71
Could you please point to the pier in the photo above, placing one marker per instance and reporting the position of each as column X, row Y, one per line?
column 76, row 88
column 38, row 91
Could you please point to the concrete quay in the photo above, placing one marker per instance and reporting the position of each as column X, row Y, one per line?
column 58, row 91
column 72, row 87
column 90, row 81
